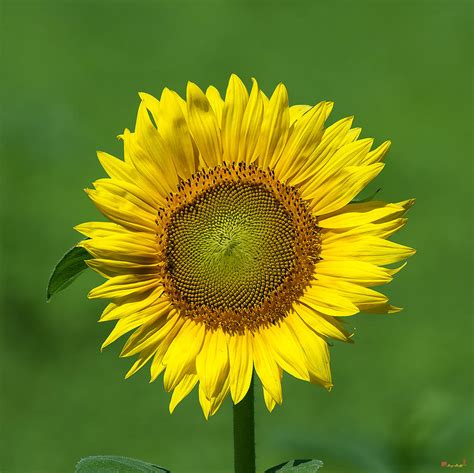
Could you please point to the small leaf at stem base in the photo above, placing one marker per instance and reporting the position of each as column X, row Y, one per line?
column 114, row 464
column 297, row 466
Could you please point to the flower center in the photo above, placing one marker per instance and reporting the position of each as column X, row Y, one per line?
column 230, row 248
column 238, row 247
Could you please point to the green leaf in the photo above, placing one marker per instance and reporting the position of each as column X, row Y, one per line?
column 70, row 266
column 113, row 464
column 366, row 199
column 297, row 466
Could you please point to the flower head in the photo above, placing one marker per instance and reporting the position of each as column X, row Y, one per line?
column 233, row 244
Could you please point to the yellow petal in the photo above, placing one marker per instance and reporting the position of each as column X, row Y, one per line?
column 286, row 349
column 126, row 324
column 217, row 400
column 304, row 137
column 157, row 366
column 393, row 271
column 180, row 357
column 359, row 272
column 163, row 338
column 383, row 309
column 152, row 334
column 143, row 359
column 203, row 126
column 377, row 154
column 356, row 214
column 210, row 406
column 349, row 155
column 175, row 133
column 297, row 111
column 111, row 268
column 132, row 305
column 266, row 368
column 251, row 126
column 121, row 286
column 351, row 136
column 369, row 249
column 101, row 229
column 122, row 211
column 275, row 128
column 315, row 349
column 321, row 323
column 122, row 171
column 146, row 152
column 212, row 363
column 204, row 401
column 331, row 140
column 129, row 192
column 381, row 230
column 185, row 386
column 405, row 206
column 131, row 246
column 328, row 301
column 241, row 365
column 269, row 401
column 236, row 100
column 152, row 104
column 216, row 102
column 363, row 297
column 339, row 190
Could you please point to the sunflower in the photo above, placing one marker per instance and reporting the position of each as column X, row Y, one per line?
column 233, row 245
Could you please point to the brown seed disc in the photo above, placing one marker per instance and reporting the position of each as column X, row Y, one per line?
column 238, row 247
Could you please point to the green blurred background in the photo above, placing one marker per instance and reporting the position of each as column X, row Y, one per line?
column 403, row 395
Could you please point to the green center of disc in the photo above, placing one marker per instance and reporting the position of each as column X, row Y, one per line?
column 231, row 247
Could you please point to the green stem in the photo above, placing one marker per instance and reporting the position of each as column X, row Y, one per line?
column 244, row 434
